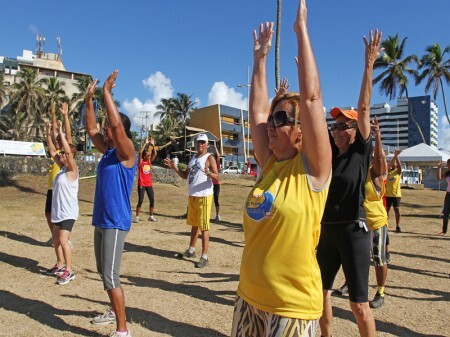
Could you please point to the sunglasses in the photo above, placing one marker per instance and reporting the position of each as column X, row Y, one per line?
column 62, row 152
column 279, row 119
column 342, row 126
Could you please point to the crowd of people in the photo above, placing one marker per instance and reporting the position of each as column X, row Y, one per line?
column 315, row 206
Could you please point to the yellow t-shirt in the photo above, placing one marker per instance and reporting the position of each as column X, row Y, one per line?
column 393, row 184
column 279, row 271
column 53, row 170
column 376, row 215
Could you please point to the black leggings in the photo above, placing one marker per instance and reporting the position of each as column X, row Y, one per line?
column 150, row 194
column 216, row 194
column 446, row 212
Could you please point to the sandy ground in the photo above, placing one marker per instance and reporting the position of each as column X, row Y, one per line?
column 167, row 296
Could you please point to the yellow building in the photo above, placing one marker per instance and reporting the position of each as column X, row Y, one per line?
column 226, row 123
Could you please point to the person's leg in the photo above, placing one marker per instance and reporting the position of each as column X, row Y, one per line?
column 329, row 261
column 151, row 198
column 397, row 218
column 194, row 236
column 58, row 248
column 67, row 252
column 379, row 257
column 364, row 319
column 216, row 201
column 446, row 213
column 205, row 242
column 356, row 264
column 113, row 243
column 48, row 210
column 140, row 201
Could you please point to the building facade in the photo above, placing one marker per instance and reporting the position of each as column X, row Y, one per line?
column 398, row 130
column 46, row 65
column 230, row 126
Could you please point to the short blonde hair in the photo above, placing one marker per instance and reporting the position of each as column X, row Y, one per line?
column 294, row 100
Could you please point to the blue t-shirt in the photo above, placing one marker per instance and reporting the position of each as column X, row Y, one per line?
column 112, row 207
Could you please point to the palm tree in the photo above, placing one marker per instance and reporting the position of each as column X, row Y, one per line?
column 54, row 92
column 395, row 70
column 3, row 90
column 7, row 127
column 184, row 107
column 167, row 110
column 27, row 101
column 277, row 45
column 435, row 68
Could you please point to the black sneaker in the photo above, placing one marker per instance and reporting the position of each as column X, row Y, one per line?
column 377, row 301
column 397, row 229
column 342, row 291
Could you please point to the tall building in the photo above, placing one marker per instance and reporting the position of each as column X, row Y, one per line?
column 230, row 126
column 398, row 130
column 45, row 64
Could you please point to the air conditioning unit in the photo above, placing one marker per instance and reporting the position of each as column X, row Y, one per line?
column 190, row 144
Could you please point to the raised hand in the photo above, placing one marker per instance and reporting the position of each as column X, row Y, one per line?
column 110, row 81
column 283, row 89
column 397, row 152
column 375, row 127
column 90, row 90
column 64, row 109
column 152, row 141
column 262, row 41
column 373, row 49
column 49, row 128
column 60, row 128
column 300, row 20
column 169, row 163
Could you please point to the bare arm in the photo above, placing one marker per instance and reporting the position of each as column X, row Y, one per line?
column 67, row 127
column 141, row 151
column 371, row 54
column 183, row 174
column 153, row 153
column 440, row 175
column 54, row 126
column 91, row 122
column 211, row 168
column 379, row 163
column 72, row 169
column 51, row 145
column 314, row 129
column 259, row 107
column 123, row 144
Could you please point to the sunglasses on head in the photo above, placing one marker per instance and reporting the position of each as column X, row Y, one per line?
column 342, row 126
column 279, row 119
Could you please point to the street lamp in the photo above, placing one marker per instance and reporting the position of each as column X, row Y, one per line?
column 248, row 86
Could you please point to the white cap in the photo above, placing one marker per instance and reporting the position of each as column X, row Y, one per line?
column 202, row 136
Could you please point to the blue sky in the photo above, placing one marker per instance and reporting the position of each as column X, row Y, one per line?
column 204, row 47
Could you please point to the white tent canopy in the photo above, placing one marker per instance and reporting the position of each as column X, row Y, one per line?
column 422, row 153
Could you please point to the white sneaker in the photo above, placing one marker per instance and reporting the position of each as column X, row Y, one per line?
column 152, row 219
column 108, row 317
column 115, row 334
column 136, row 220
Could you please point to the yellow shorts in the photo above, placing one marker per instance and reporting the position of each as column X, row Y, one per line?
column 199, row 212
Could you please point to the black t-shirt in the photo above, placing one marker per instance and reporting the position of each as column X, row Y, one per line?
column 347, row 192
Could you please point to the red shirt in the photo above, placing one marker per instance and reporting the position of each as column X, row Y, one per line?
column 145, row 173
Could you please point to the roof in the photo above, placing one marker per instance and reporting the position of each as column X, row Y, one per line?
column 420, row 153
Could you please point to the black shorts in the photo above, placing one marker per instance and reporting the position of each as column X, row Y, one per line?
column 392, row 201
column 48, row 201
column 65, row 224
column 347, row 245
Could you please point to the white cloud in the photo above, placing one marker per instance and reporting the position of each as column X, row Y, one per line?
column 160, row 86
column 220, row 93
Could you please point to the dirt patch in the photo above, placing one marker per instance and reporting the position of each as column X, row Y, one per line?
column 167, row 296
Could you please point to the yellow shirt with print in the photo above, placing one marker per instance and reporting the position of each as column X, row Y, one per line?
column 393, row 184
column 53, row 170
column 376, row 214
column 279, row 271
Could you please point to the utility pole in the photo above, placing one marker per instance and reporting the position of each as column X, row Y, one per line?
column 248, row 86
column 144, row 114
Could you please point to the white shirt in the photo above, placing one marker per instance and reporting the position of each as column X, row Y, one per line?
column 64, row 198
column 200, row 185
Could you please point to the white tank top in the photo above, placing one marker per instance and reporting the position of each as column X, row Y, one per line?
column 64, row 198
column 199, row 183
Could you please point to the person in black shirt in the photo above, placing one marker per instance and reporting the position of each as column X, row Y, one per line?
column 345, row 238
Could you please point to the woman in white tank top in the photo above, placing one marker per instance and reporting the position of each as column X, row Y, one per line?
column 64, row 205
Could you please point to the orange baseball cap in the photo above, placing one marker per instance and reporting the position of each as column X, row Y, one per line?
column 351, row 114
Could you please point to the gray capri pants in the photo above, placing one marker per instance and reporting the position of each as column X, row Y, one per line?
column 108, row 247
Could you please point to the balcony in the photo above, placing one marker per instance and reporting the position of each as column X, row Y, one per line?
column 232, row 143
column 231, row 127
